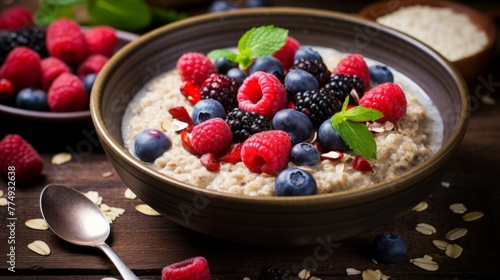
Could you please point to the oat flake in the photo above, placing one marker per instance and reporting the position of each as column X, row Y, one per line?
column 425, row 264
column 369, row 274
column 129, row 194
column 472, row 216
column 458, row 208
column 456, row 233
column 425, row 229
column 453, row 250
column 39, row 247
column 3, row 201
column 352, row 271
column 421, row 206
column 440, row 244
column 107, row 174
column 146, row 210
column 38, row 224
column 61, row 158
column 304, row 274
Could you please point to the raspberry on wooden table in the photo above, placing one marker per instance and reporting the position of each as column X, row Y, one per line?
column 66, row 41
column 195, row 66
column 67, row 94
column 93, row 64
column 16, row 17
column 387, row 98
column 211, row 136
column 267, row 151
column 22, row 67
column 52, row 67
column 101, row 40
column 195, row 268
column 19, row 157
column 355, row 65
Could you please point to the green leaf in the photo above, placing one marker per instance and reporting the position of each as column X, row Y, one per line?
column 48, row 13
column 263, row 41
column 358, row 137
column 62, row 2
column 130, row 15
column 362, row 114
column 229, row 55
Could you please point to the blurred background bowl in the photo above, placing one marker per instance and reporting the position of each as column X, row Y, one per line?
column 277, row 221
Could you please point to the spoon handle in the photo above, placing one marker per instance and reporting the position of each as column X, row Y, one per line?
column 126, row 273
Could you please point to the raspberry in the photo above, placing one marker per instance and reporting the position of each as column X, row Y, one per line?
column 211, row 136
column 22, row 67
column 262, row 93
column 66, row 41
column 17, row 155
column 52, row 67
column 67, row 94
column 16, row 17
column 266, row 152
column 221, row 88
column 195, row 268
column 387, row 98
column 355, row 65
column 93, row 64
column 195, row 66
column 286, row 53
column 7, row 90
column 101, row 40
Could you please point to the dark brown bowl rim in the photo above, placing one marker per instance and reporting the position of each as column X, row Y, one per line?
column 336, row 199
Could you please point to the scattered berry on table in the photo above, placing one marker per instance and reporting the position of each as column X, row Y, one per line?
column 221, row 88
column 151, row 143
column 221, row 6
column 16, row 17
column 207, row 109
column 66, row 41
column 243, row 124
column 237, row 74
column 315, row 67
column 298, row 126
column 16, row 152
column 307, row 53
column 32, row 99
column 380, row 74
column 387, row 98
column 92, row 64
column 329, row 139
column 195, row 66
column 257, row 3
column 67, row 94
column 88, row 82
column 305, row 154
column 286, row 54
column 22, row 67
column 31, row 37
column 362, row 164
column 355, row 65
column 268, row 64
column 342, row 86
column 223, row 65
column 195, row 268
column 7, row 91
column 294, row 182
column 298, row 80
column 318, row 105
column 191, row 91
column 101, row 40
column 389, row 247
column 51, row 68
column 266, row 152
column 211, row 136
column 262, row 93
column 271, row 272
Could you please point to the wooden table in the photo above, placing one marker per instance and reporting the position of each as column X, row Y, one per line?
column 147, row 244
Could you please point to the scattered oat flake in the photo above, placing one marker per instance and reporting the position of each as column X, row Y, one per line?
column 38, row 224
column 369, row 274
column 421, row 206
column 458, row 208
column 352, row 271
column 3, row 201
column 488, row 100
column 304, row 274
column 61, row 158
column 456, row 233
column 129, row 194
column 39, row 247
column 427, row 257
column 425, row 264
column 107, row 174
column 472, row 216
column 117, row 210
column 453, row 250
column 146, row 210
column 374, row 261
column 440, row 244
column 445, row 184
column 1, row 192
column 425, row 228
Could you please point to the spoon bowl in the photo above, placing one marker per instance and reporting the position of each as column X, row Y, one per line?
column 76, row 219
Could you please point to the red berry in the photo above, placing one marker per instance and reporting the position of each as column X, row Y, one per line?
column 101, row 40
column 354, row 64
column 22, row 67
column 210, row 162
column 18, row 157
column 66, row 41
column 262, row 93
column 387, row 98
column 195, row 268
column 195, row 66
column 93, row 64
column 360, row 163
column 286, row 53
column 233, row 155
column 16, row 17
column 191, row 91
column 52, row 67
column 180, row 113
column 267, row 151
column 67, row 94
column 7, row 90
column 186, row 143
column 211, row 136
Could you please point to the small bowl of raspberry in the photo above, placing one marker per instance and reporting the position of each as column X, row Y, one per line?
column 279, row 126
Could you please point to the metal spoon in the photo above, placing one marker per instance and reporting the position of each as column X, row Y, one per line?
column 76, row 219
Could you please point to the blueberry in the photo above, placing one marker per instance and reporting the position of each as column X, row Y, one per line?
column 206, row 109
column 380, row 74
column 88, row 82
column 270, row 65
column 294, row 182
column 32, row 99
column 329, row 138
column 307, row 53
column 389, row 247
column 258, row 3
column 299, row 80
column 298, row 126
column 305, row 154
column 237, row 74
column 150, row 144
column 221, row 6
column 223, row 65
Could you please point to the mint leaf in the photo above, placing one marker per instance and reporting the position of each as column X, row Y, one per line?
column 358, row 138
column 62, row 2
column 48, row 13
column 130, row 15
column 229, row 55
column 362, row 114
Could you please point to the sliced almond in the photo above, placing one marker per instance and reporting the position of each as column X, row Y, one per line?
column 111, row 215
column 61, row 158
column 425, row 228
column 440, row 244
column 117, row 210
column 3, row 201
column 38, row 224
column 39, row 247
column 332, row 155
column 389, row 126
column 456, row 233
column 453, row 250
column 369, row 274
column 179, row 125
column 352, row 271
column 94, row 197
column 458, row 208
column 472, row 216
column 104, row 207
column 129, row 194
column 425, row 264
column 146, row 210
column 421, row 206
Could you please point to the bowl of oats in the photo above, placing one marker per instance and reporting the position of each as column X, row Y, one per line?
column 463, row 35
column 279, row 126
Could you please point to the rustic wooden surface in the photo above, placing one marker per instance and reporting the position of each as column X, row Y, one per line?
column 147, row 244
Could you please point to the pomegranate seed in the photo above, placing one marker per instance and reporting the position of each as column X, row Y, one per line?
column 361, row 164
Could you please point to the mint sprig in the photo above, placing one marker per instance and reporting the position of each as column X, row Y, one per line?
column 256, row 42
column 348, row 124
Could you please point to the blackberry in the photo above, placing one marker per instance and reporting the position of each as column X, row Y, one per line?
column 272, row 273
column 318, row 105
column 341, row 86
column 221, row 88
column 31, row 37
column 243, row 124
column 315, row 67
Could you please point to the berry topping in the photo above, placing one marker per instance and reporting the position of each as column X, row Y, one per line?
column 298, row 80
column 389, row 247
column 223, row 65
column 211, row 136
column 243, row 124
column 66, row 41
column 387, row 98
column 307, row 53
column 266, row 152
column 233, row 155
column 67, row 94
column 221, row 88
column 286, row 54
column 295, row 182
column 298, row 126
column 181, row 114
column 380, row 74
column 7, row 90
column 93, row 64
column 17, row 155
column 315, row 67
column 31, row 37
column 342, row 86
column 22, row 67
column 329, row 138
column 262, row 93
column 210, row 161
column 51, row 68
column 268, row 64
column 151, row 143
column 271, row 272
column 360, row 163
column 318, row 105
column 16, row 17
column 101, row 40
column 191, row 91
column 195, row 268
column 195, row 66
column 32, row 99
column 305, row 154
column 355, row 65
column 237, row 74
column 207, row 109
column 186, row 143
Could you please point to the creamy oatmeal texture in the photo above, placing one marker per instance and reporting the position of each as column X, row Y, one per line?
column 399, row 147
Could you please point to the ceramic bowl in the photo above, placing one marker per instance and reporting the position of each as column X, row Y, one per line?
column 277, row 221
column 471, row 66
